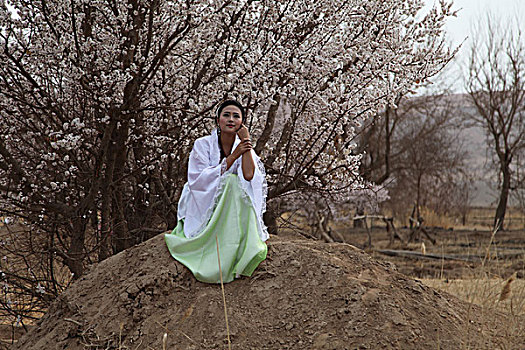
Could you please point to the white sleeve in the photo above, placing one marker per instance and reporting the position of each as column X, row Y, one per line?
column 203, row 181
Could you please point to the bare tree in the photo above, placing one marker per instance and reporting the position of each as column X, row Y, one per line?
column 518, row 190
column 459, row 193
column 496, row 85
column 414, row 149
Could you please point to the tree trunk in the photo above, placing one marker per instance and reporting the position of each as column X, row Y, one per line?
column 503, row 197
column 268, row 127
column 359, row 223
column 270, row 220
column 418, row 199
column 106, row 221
column 105, row 228
column 120, row 235
column 388, row 136
column 75, row 253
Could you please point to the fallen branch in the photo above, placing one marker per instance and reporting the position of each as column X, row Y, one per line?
column 429, row 256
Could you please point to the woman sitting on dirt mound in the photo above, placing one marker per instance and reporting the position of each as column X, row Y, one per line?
column 224, row 198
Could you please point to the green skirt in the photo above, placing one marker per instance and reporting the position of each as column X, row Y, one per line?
column 234, row 223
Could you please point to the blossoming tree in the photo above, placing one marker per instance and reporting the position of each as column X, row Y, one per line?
column 100, row 102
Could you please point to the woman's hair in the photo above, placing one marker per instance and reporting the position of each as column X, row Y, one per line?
column 227, row 103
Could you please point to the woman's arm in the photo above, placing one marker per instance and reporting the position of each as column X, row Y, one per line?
column 248, row 165
column 243, row 150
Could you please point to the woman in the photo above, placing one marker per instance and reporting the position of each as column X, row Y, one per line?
column 225, row 197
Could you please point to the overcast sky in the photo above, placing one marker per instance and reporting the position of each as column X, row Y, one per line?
column 470, row 12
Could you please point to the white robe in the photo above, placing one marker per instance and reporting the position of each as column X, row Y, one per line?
column 206, row 178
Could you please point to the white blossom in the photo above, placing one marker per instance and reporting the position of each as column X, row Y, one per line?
column 40, row 289
column 110, row 102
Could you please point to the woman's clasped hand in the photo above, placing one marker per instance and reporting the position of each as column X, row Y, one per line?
column 245, row 145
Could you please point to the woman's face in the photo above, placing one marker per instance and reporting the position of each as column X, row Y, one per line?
column 230, row 119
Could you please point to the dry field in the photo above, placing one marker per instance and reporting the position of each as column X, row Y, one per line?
column 306, row 295
column 478, row 267
column 478, row 218
column 485, row 270
column 494, row 295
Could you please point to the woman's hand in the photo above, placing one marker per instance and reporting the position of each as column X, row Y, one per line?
column 242, row 148
column 243, row 133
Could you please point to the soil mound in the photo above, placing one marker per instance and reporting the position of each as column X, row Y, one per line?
column 306, row 295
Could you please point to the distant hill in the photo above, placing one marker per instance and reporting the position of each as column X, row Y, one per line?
column 474, row 140
column 478, row 163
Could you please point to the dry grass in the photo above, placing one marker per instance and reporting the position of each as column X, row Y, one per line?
column 502, row 305
column 493, row 294
column 495, row 283
column 477, row 219
column 502, row 302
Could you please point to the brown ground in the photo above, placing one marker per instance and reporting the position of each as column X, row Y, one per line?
column 306, row 295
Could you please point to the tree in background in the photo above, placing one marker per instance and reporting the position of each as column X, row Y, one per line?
column 413, row 150
column 518, row 188
column 496, row 85
column 100, row 105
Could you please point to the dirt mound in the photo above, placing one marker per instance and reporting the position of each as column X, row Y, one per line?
column 306, row 295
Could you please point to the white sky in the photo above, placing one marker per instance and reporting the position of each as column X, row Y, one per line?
column 459, row 28
column 472, row 11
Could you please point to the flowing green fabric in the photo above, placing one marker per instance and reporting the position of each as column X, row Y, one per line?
column 234, row 223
